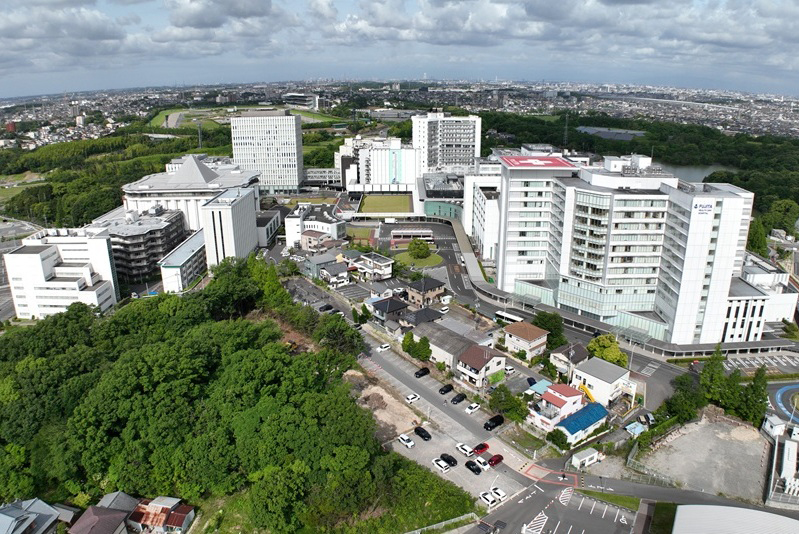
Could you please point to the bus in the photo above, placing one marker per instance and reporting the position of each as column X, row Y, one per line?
column 506, row 317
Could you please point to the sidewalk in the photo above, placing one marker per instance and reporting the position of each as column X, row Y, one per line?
column 643, row 519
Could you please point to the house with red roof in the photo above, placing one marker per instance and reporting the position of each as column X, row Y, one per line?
column 162, row 514
column 557, row 403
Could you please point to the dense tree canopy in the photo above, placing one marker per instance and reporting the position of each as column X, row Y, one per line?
column 607, row 348
column 552, row 323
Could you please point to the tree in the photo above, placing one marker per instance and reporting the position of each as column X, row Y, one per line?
column 16, row 481
column 754, row 398
column 333, row 332
column 408, row 343
column 288, row 268
column 687, row 398
column 782, row 214
column 552, row 323
column 712, row 378
column 502, row 400
column 756, row 241
column 558, row 439
column 277, row 497
column 356, row 317
column 418, row 249
column 423, row 350
column 365, row 315
column 607, row 348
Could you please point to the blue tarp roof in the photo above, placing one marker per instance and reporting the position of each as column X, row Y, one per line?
column 540, row 387
column 583, row 419
column 635, row 429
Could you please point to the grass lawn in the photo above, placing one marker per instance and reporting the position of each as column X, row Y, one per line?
column 386, row 204
column 524, row 439
column 227, row 514
column 359, row 233
column 159, row 119
column 318, row 116
column 317, row 200
column 619, row 500
column 8, row 192
column 430, row 261
column 548, row 118
column 663, row 520
column 310, row 147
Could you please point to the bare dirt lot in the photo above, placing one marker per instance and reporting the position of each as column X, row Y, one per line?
column 716, row 457
column 392, row 415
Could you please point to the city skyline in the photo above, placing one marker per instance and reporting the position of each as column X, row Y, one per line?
column 53, row 46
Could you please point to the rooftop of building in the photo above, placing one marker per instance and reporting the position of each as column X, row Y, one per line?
column 575, row 352
column 192, row 175
column 565, row 390
column 443, row 338
column 335, row 269
column 30, row 249
column 264, row 112
column 315, row 212
column 526, row 331
column 442, row 181
column 605, row 371
column 590, row 414
column 490, row 193
column 376, row 258
column 572, row 181
column 713, row 519
column 741, row 288
column 477, row 356
column 128, row 223
column 98, row 520
column 389, row 305
column 423, row 315
column 313, row 233
column 263, row 218
column 321, row 259
column 118, row 500
column 536, row 162
column 425, row 284
column 184, row 251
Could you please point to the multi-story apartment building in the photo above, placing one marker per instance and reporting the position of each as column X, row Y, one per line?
column 184, row 264
column 269, row 141
column 55, row 267
column 446, row 141
column 229, row 225
column 485, row 221
column 375, row 164
column 628, row 245
column 313, row 217
column 140, row 240
column 188, row 183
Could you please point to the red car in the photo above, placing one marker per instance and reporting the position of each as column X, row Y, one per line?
column 496, row 459
column 481, row 448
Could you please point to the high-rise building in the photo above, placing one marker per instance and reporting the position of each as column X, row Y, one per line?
column 55, row 267
column 269, row 141
column 628, row 245
column 229, row 225
column 446, row 141
column 378, row 164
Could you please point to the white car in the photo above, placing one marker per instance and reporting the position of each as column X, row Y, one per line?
column 413, row 397
column 405, row 440
column 464, row 449
column 384, row 347
column 473, row 407
column 488, row 498
column 509, row 370
column 441, row 465
column 482, row 462
column 398, row 290
column 445, row 309
column 499, row 494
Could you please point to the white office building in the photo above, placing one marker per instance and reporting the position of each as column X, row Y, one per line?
column 55, row 267
column 229, row 225
column 378, row 164
column 446, row 141
column 269, row 141
column 631, row 246
column 188, row 183
column 308, row 217
column 485, row 222
column 185, row 264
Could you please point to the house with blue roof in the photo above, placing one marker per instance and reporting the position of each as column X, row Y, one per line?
column 579, row 425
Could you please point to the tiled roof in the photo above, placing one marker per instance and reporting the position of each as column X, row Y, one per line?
column 525, row 330
column 389, row 305
column 98, row 520
column 583, row 419
column 565, row 390
column 574, row 352
column 425, row 284
column 605, row 371
column 552, row 399
column 477, row 356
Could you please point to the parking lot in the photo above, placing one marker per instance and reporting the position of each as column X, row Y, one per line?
column 783, row 363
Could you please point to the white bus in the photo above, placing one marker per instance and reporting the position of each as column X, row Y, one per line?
column 506, row 317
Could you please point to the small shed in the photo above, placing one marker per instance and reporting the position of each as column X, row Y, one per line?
column 585, row 457
column 635, row 429
column 774, row 426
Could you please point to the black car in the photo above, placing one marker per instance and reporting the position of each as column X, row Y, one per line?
column 530, row 381
column 460, row 397
column 424, row 371
column 422, row 433
column 494, row 422
column 451, row 461
column 445, row 389
column 473, row 467
column 325, row 307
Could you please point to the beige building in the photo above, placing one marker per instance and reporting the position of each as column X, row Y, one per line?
column 425, row 292
column 527, row 337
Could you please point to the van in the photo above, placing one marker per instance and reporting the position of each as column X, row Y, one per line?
column 494, row 422
column 445, row 309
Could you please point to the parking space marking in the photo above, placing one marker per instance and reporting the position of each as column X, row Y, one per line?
column 536, row 526
column 581, row 504
column 565, row 496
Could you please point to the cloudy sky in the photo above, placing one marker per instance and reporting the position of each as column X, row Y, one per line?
column 50, row 46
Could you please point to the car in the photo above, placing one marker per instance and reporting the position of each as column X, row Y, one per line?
column 531, row 381
column 325, row 307
column 405, row 440
column 499, row 494
column 445, row 389
column 445, row 309
column 441, row 465
column 422, row 433
column 464, row 449
column 488, row 498
column 398, row 290
column 473, row 407
column 482, row 463
column 424, row 371
column 650, row 419
column 495, row 460
column 494, row 422
column 473, row 467
column 491, row 389
column 413, row 397
column 451, row 461
column 457, row 399
column 509, row 370
column 480, row 448
column 384, row 347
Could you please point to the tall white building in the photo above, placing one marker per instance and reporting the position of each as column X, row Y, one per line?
column 269, row 141
column 56, row 267
column 188, row 183
column 446, row 141
column 631, row 246
column 229, row 225
column 375, row 164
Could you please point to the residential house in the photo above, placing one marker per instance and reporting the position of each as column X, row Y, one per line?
column 566, row 357
column 373, row 266
column 312, row 265
column 445, row 344
column 379, row 289
column 119, row 500
column 348, row 256
column 477, row 363
column 99, row 520
column 557, row 403
column 390, row 309
column 335, row 274
column 423, row 315
column 527, row 337
column 585, row 458
column 162, row 514
column 33, row 516
column 312, row 239
column 602, row 381
column 580, row 425
column 66, row 514
column 424, row 292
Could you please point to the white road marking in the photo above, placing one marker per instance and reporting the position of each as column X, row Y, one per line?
column 581, row 504
column 604, row 511
column 617, row 515
column 556, row 528
column 592, row 508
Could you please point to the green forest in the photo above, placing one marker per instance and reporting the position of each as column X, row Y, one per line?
column 195, row 397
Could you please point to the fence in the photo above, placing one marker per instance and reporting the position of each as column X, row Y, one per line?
column 471, row 516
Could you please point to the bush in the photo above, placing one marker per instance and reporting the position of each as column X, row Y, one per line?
column 558, row 439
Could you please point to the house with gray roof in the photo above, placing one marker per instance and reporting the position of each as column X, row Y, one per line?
column 476, row 363
column 423, row 315
column 312, row 265
column 602, row 381
column 390, row 309
column 566, row 357
column 335, row 274
column 446, row 345
column 33, row 516
column 118, row 500
column 425, row 291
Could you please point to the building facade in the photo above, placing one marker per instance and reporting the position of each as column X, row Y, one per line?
column 229, row 225
column 269, row 141
column 184, row 264
column 316, row 217
column 446, row 141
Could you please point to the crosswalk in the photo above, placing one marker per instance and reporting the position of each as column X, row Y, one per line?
column 536, row 526
column 650, row 369
column 565, row 496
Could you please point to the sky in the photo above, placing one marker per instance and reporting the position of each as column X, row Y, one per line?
column 54, row 46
